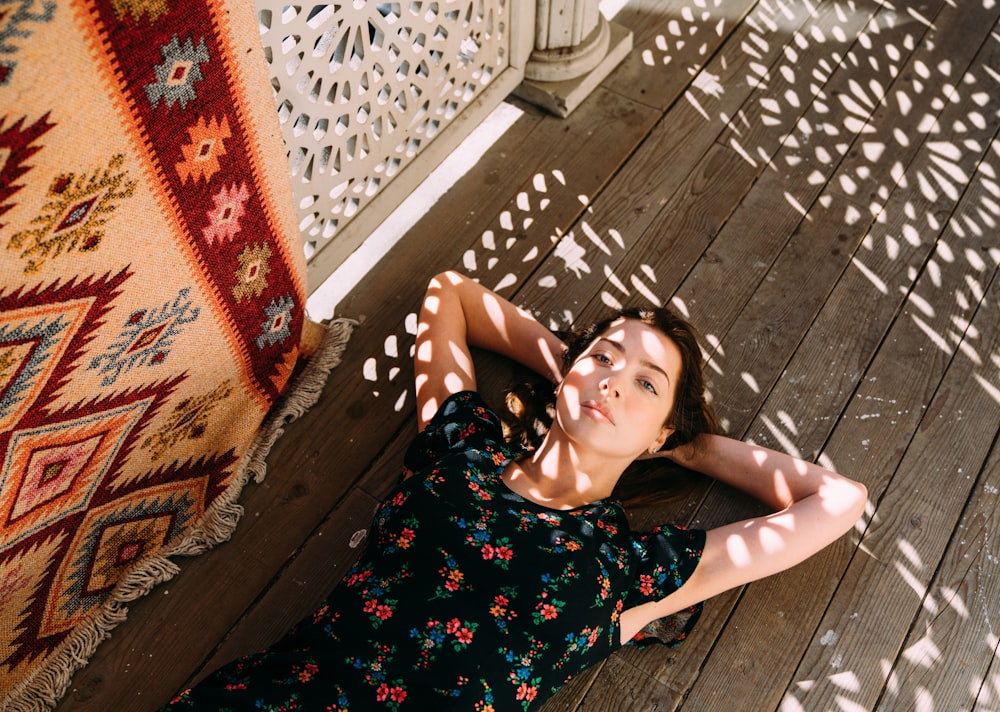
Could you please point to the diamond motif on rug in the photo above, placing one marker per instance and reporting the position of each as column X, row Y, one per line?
column 113, row 538
column 73, row 219
column 33, row 341
column 51, row 472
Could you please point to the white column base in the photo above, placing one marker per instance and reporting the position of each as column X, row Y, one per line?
column 562, row 96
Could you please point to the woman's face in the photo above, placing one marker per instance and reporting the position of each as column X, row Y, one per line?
column 616, row 397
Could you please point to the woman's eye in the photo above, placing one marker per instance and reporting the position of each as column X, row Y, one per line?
column 648, row 386
column 602, row 358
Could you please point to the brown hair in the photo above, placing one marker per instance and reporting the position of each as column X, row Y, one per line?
column 644, row 483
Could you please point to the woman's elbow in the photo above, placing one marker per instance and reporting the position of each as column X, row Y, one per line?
column 855, row 499
column 445, row 280
column 844, row 498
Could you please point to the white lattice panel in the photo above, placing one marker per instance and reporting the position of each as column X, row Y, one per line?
column 363, row 88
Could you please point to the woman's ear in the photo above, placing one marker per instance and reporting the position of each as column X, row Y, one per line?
column 665, row 432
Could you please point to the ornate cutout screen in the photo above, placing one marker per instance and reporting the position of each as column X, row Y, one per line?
column 365, row 89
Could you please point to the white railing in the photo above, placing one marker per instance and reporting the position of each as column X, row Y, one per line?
column 369, row 95
column 373, row 95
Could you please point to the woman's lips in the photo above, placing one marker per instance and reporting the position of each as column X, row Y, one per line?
column 599, row 409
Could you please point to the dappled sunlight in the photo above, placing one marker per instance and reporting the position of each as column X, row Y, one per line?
column 876, row 166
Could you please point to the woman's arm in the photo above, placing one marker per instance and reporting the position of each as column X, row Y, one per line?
column 815, row 507
column 458, row 313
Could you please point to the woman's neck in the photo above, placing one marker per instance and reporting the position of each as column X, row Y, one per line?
column 559, row 476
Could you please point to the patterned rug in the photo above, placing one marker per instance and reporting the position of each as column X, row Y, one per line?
column 151, row 309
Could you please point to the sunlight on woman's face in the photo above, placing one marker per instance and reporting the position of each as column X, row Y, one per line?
column 616, row 397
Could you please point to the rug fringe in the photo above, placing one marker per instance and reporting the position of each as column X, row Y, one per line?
column 43, row 690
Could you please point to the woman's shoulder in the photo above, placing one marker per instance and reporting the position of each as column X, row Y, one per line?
column 464, row 421
column 465, row 412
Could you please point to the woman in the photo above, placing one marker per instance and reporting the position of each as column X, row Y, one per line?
column 495, row 573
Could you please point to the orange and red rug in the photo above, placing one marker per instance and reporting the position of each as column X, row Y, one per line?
column 151, row 308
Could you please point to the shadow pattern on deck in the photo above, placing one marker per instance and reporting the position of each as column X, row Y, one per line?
column 817, row 186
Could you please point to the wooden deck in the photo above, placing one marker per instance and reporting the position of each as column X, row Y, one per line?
column 817, row 184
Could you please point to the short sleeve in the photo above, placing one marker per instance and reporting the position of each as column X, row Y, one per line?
column 665, row 559
column 463, row 422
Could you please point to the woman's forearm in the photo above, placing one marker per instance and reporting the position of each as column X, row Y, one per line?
column 493, row 323
column 774, row 478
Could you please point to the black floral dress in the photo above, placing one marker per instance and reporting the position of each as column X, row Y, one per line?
column 467, row 596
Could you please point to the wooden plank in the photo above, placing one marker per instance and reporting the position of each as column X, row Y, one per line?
column 800, row 602
column 901, row 401
column 821, row 246
column 988, row 699
column 686, row 186
column 955, row 629
column 899, row 242
column 729, row 278
column 303, row 584
column 671, row 42
column 731, row 283
column 816, row 384
column 881, row 591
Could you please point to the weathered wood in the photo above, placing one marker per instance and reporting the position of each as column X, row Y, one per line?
column 671, row 42
column 815, row 387
column 733, row 682
column 730, row 285
column 954, row 630
column 687, row 187
column 300, row 587
column 918, row 502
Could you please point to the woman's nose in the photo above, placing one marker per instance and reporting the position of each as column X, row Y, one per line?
column 611, row 386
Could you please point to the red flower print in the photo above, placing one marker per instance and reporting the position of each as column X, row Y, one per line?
column 370, row 605
column 526, row 692
column 306, row 673
column 488, row 551
column 405, row 538
column 464, row 636
column 397, row 694
column 453, row 625
column 504, row 552
column 609, row 528
column 464, row 433
column 382, row 693
column 359, row 577
column 646, row 584
column 383, row 612
column 549, row 611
